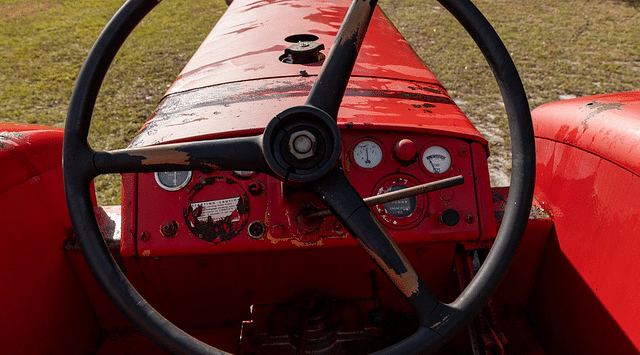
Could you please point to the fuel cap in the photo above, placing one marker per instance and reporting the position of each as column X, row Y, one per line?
column 303, row 52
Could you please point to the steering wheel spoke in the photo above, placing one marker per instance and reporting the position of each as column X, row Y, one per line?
column 349, row 208
column 223, row 154
column 326, row 94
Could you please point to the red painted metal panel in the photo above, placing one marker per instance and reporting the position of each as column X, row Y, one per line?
column 605, row 125
column 44, row 308
column 586, row 293
column 235, row 82
column 486, row 217
column 246, row 108
column 218, row 290
column 26, row 151
column 515, row 288
column 248, row 40
column 129, row 204
column 279, row 210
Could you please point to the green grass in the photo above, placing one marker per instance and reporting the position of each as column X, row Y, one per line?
column 561, row 48
column 43, row 46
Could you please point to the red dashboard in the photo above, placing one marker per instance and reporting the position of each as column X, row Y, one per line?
column 189, row 213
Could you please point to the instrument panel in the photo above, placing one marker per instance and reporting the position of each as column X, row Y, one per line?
column 190, row 213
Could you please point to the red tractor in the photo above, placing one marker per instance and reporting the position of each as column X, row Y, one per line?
column 304, row 188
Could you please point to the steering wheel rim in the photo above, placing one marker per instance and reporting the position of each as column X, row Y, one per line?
column 439, row 322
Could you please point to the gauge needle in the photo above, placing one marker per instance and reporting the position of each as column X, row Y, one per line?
column 435, row 170
column 367, row 161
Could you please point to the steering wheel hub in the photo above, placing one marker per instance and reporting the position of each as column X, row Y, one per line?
column 302, row 144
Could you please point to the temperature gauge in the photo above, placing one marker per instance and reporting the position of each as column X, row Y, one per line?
column 367, row 154
column 436, row 160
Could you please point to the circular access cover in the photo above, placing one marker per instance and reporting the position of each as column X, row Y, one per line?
column 218, row 209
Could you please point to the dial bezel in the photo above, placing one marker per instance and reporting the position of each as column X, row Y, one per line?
column 374, row 140
column 447, row 149
column 400, row 223
column 238, row 174
column 173, row 188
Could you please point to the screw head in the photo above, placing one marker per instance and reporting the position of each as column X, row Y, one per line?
column 145, row 236
column 463, row 152
column 277, row 229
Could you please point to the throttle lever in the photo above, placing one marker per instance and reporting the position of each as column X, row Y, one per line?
column 396, row 195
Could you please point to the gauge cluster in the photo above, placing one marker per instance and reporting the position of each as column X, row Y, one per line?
column 407, row 160
column 190, row 213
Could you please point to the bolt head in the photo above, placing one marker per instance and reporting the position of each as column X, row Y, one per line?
column 302, row 144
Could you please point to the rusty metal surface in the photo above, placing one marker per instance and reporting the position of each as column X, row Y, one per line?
column 282, row 208
column 246, row 108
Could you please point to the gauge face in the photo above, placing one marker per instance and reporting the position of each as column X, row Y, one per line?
column 403, row 213
column 173, row 180
column 244, row 174
column 367, row 154
column 403, row 207
column 436, row 159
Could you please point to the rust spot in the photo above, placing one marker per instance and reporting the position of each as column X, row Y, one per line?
column 201, row 185
column 425, row 88
column 596, row 108
column 438, row 324
column 164, row 156
column 406, row 282
column 8, row 139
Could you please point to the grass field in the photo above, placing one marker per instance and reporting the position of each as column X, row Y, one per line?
column 562, row 49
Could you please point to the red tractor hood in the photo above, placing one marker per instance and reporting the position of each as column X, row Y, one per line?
column 235, row 83
column 605, row 125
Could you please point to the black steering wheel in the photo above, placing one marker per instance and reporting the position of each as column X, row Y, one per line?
column 319, row 172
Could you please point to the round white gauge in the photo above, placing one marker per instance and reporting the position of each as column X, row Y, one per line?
column 173, row 180
column 244, row 174
column 436, row 159
column 367, row 154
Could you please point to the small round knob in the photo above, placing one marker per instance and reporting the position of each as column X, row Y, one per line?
column 405, row 150
column 450, row 217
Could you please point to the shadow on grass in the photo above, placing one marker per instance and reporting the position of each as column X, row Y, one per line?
column 632, row 3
